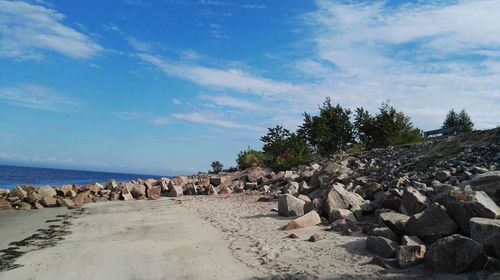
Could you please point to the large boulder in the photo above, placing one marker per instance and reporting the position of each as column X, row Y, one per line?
column 65, row 202
column 432, row 222
column 413, row 202
column 488, row 182
column 175, row 191
column 455, row 254
column 336, row 214
column 395, row 221
column 95, row 188
column 328, row 172
column 409, row 255
column 338, row 197
column 381, row 246
column 65, row 190
column 4, row 204
column 18, row 192
column 442, row 175
column 308, row 220
column 81, row 197
column 464, row 206
column 154, row 192
column 47, row 191
column 487, row 232
column 49, row 201
column 33, row 197
column 256, row 174
column 138, row 191
column 291, row 188
column 289, row 205
column 126, row 195
column 180, row 181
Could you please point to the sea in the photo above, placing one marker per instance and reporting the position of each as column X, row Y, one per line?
column 12, row 176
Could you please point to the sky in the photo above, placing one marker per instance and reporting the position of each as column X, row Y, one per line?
column 168, row 86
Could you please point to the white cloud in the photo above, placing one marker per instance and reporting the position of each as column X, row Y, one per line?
column 37, row 97
column 28, row 29
column 210, row 119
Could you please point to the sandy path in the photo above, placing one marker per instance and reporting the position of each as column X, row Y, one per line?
column 133, row 240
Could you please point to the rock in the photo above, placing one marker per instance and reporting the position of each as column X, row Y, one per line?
column 381, row 246
column 65, row 190
column 315, row 238
column 413, row 201
column 47, row 191
column 488, row 182
column 49, row 201
column 95, row 188
column 216, row 180
column 409, row 255
column 138, row 191
column 18, row 192
column 395, row 221
column 79, row 200
column 179, row 181
column 411, row 240
column 225, row 190
column 463, row 206
column 316, row 204
column 442, row 175
column 33, row 197
column 291, row 188
column 175, row 191
column 38, row 205
column 385, row 232
column 24, row 206
column 289, row 205
column 304, row 198
column 308, row 220
column 293, row 236
column 65, row 202
column 346, row 227
column 112, row 185
column 211, row 190
column 432, row 222
column 71, row 194
column 256, row 174
column 4, row 204
column 337, row 213
column 304, row 188
column 153, row 192
column 338, row 197
column 455, row 254
column 487, row 232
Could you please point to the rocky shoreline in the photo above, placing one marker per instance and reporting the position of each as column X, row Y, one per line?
column 433, row 204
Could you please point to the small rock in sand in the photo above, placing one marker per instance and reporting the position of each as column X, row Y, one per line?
column 315, row 238
column 308, row 220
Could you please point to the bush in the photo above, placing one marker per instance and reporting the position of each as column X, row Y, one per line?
column 461, row 121
column 250, row 158
column 284, row 150
column 217, row 167
column 330, row 132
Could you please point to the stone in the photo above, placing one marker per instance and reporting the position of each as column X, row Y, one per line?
column 71, row 194
column 126, row 195
column 38, row 205
column 112, row 184
column 315, row 238
column 293, row 236
column 304, row 198
column 256, row 174
column 344, row 226
column 216, row 180
column 381, row 246
column 65, row 190
column 433, row 221
column 95, row 188
column 385, row 232
column 409, row 255
column 304, row 188
column 291, row 188
column 395, row 221
column 79, row 199
column 18, row 192
column 153, row 192
column 225, row 190
column 487, row 232
column 289, row 206
column 413, row 201
column 316, row 204
column 33, row 197
column 138, row 191
column 338, row 213
column 338, row 197
column 463, row 206
column 47, row 191
column 4, row 204
column 411, row 240
column 175, row 191
column 24, row 206
column 49, row 201
column 488, row 182
column 308, row 220
column 211, row 190
column 65, row 202
column 455, row 254
column 442, row 175
column 179, row 181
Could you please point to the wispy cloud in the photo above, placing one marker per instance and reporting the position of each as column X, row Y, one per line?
column 128, row 116
column 205, row 118
column 28, row 29
column 37, row 97
column 238, row 103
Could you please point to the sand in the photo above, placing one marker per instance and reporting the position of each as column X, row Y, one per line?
column 195, row 237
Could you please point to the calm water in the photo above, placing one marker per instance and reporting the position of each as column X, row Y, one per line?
column 12, row 176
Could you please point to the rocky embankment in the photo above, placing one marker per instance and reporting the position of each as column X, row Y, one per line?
column 434, row 203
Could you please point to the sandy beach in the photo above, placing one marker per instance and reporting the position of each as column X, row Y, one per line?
column 215, row 237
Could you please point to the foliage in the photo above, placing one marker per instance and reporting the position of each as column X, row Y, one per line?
column 330, row 132
column 461, row 121
column 285, row 150
column 250, row 158
column 217, row 167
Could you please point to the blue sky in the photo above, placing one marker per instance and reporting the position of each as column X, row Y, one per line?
column 168, row 86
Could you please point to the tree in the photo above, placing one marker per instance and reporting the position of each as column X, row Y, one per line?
column 217, row 167
column 250, row 158
column 284, row 150
column 461, row 122
column 330, row 132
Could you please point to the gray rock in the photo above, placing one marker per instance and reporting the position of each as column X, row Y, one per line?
column 289, row 205
column 455, row 254
column 18, row 192
column 291, row 188
column 411, row 240
column 395, row 221
column 381, row 246
column 487, row 232
column 413, row 201
column 463, row 207
column 442, row 175
column 488, row 182
column 409, row 255
column 385, row 232
column 338, row 197
column 433, row 221
column 47, row 191
column 175, row 191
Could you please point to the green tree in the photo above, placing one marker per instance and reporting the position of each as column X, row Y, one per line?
column 217, row 167
column 250, row 158
column 461, row 122
column 284, row 149
column 330, row 132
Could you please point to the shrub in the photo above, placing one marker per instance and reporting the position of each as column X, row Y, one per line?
column 217, row 167
column 250, row 158
column 461, row 121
